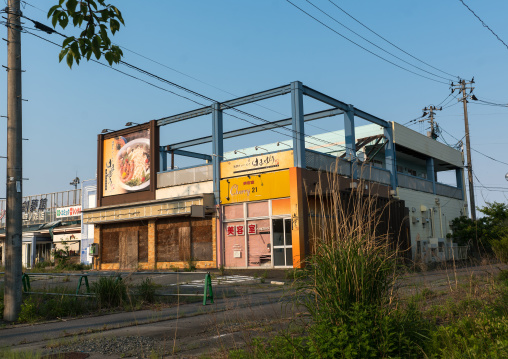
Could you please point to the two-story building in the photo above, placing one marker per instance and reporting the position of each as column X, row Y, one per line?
column 249, row 208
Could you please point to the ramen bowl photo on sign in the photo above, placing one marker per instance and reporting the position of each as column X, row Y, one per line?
column 133, row 164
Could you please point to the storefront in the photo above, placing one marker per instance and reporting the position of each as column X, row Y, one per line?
column 258, row 234
column 257, row 225
column 139, row 222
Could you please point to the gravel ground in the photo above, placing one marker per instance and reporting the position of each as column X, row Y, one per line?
column 128, row 347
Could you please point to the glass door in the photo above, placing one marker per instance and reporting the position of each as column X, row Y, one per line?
column 282, row 242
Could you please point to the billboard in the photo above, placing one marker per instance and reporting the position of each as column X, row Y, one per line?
column 257, row 164
column 72, row 211
column 126, row 163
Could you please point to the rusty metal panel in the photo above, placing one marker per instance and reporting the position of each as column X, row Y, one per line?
column 109, row 247
column 128, row 250
column 167, row 245
column 143, row 244
column 184, row 240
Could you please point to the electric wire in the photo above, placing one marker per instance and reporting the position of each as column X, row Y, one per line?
column 373, row 44
column 202, row 96
column 163, row 65
column 360, row 46
column 397, row 47
column 481, row 153
column 483, row 23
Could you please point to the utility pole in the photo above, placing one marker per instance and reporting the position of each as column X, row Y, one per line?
column 12, row 291
column 462, row 86
column 433, row 133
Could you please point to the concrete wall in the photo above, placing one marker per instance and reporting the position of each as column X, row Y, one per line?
column 184, row 190
column 419, row 143
column 439, row 215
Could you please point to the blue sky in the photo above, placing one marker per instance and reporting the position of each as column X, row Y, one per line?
column 243, row 47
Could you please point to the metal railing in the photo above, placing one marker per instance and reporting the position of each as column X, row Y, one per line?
column 448, row 191
column 374, row 174
column 414, row 183
column 184, row 176
column 41, row 208
column 323, row 162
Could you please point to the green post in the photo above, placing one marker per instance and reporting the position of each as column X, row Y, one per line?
column 208, row 292
column 25, row 279
column 86, row 284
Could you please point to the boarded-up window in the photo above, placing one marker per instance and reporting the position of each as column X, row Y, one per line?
column 125, row 243
column 109, row 247
column 182, row 239
column 201, row 234
column 168, row 245
column 143, row 244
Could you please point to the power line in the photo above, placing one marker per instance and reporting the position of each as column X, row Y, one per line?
column 196, row 94
column 360, row 46
column 483, row 154
column 373, row 44
column 365, row 26
column 483, row 23
column 375, row 33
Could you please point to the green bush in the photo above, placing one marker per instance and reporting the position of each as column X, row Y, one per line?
column 42, row 265
column 500, row 248
column 146, row 290
column 28, row 312
column 484, row 336
column 110, row 291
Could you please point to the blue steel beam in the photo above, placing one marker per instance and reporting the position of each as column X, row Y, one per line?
column 349, row 132
column 297, row 124
column 197, row 155
column 390, row 157
column 431, row 173
column 185, row 116
column 217, row 147
column 343, row 106
column 263, row 95
column 459, row 175
column 282, row 90
column 163, row 159
column 258, row 128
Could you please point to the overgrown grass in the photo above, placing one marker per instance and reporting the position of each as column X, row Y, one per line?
column 348, row 288
column 110, row 292
column 147, row 290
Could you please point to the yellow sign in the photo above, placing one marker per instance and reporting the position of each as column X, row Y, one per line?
column 257, row 164
column 255, row 187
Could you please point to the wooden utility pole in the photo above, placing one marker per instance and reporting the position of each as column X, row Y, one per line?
column 433, row 133
column 462, row 87
column 13, row 266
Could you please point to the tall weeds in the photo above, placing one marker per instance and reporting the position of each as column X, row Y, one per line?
column 348, row 283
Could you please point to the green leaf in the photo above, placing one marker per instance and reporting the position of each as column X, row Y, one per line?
column 75, row 50
column 114, row 26
column 67, row 41
column 92, row 4
column 70, row 59
column 96, row 47
column 54, row 20
column 109, row 58
column 52, row 9
column 62, row 54
column 63, row 20
column 118, row 14
column 71, row 6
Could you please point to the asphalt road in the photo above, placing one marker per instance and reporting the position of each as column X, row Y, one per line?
column 191, row 330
